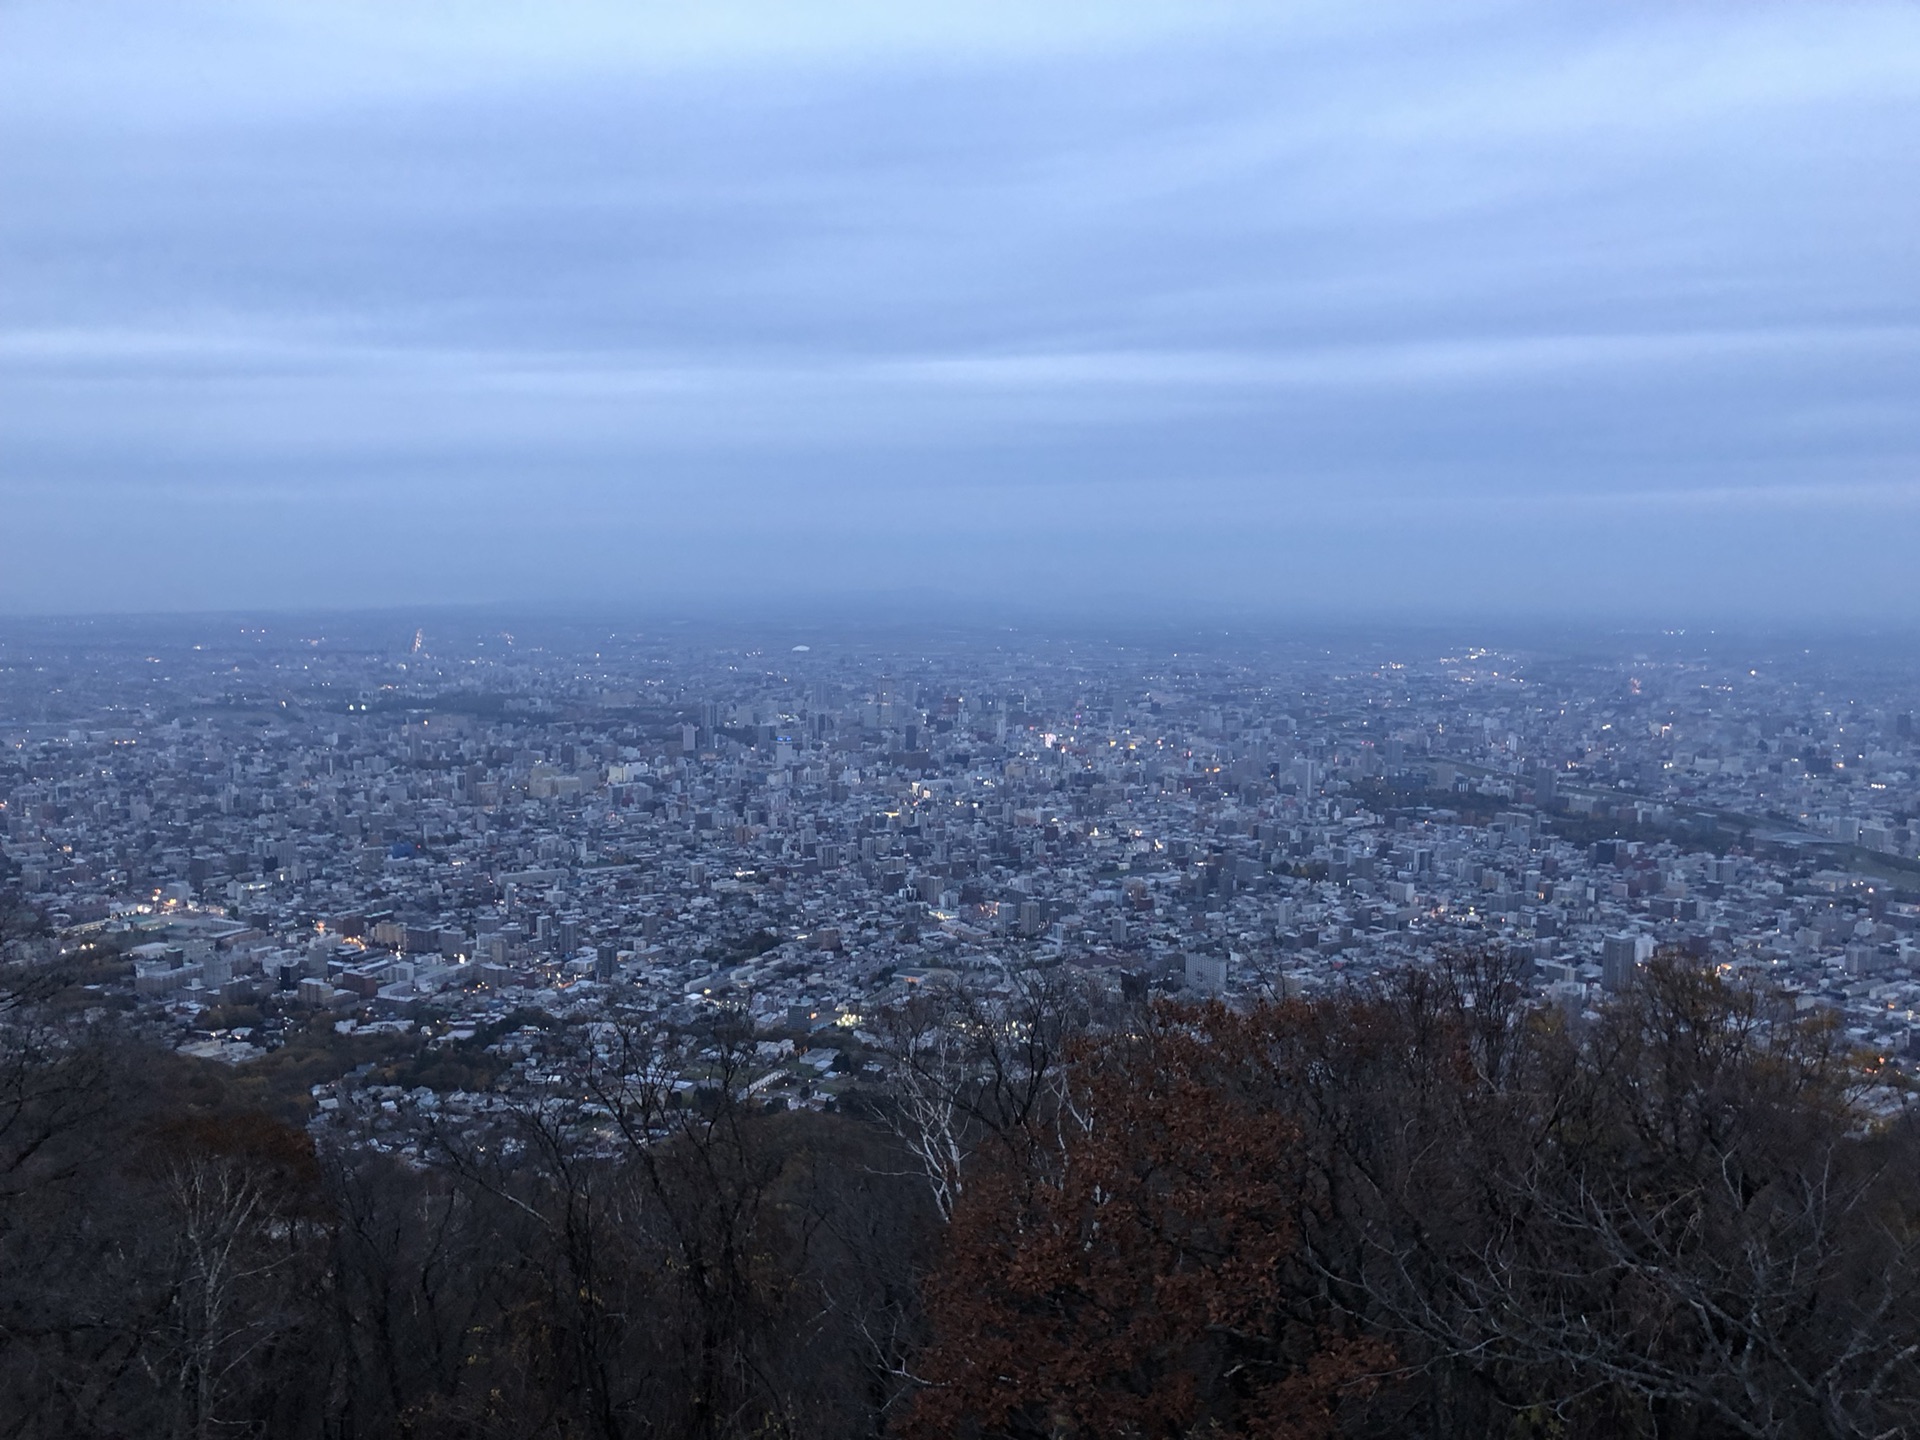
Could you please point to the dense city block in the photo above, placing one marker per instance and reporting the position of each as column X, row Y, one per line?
column 437, row 832
column 468, row 1029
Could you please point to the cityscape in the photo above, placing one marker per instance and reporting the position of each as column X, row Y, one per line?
column 803, row 720
column 424, row 832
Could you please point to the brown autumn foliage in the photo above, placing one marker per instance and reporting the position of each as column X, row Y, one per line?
column 1425, row 1208
column 1132, row 1268
column 1674, row 1219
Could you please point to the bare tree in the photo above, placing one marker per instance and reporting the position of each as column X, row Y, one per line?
column 229, row 1249
column 970, row 1066
column 1673, row 1217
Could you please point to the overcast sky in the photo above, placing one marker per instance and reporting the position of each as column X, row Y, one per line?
column 1415, row 309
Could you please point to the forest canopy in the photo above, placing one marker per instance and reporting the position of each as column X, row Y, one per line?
column 1430, row 1206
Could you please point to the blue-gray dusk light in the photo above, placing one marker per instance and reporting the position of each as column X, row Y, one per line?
column 1288, row 308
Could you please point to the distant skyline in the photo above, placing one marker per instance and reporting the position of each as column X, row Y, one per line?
column 1402, row 311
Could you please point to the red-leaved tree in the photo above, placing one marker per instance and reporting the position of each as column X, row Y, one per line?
column 1130, row 1269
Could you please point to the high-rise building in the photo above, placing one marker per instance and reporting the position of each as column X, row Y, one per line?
column 1206, row 974
column 1621, row 957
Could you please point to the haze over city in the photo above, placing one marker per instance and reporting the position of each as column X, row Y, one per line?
column 1400, row 310
column 959, row 721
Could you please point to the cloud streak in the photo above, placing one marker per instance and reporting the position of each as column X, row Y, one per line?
column 1080, row 286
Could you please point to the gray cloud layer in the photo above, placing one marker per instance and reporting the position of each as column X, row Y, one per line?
column 1501, row 307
